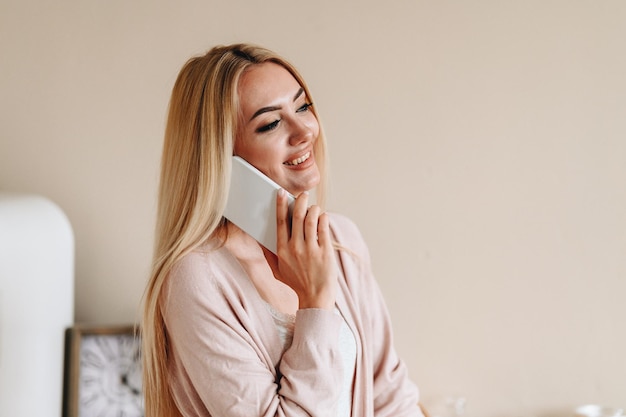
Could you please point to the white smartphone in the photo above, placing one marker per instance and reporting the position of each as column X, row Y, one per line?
column 252, row 202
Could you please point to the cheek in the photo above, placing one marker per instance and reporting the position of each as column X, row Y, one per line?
column 245, row 147
column 258, row 154
column 314, row 126
column 316, row 130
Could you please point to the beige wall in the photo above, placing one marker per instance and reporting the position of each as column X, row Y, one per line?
column 479, row 145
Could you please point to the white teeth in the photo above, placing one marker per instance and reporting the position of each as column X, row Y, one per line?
column 300, row 160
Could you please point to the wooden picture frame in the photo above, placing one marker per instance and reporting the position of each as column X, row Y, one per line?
column 102, row 375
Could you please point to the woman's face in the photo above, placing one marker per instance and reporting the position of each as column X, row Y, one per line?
column 277, row 130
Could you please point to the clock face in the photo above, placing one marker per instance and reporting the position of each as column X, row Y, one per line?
column 109, row 382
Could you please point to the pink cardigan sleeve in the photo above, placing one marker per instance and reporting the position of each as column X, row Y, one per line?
column 218, row 364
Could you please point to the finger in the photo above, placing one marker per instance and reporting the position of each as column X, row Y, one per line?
column 282, row 218
column 311, row 224
column 323, row 231
column 298, row 216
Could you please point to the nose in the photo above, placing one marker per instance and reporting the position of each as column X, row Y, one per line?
column 301, row 132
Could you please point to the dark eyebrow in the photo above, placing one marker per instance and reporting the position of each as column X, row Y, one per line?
column 264, row 110
column 298, row 94
column 274, row 108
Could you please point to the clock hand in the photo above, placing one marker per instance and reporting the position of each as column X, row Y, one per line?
column 133, row 390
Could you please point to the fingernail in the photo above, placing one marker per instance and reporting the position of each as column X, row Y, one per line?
column 281, row 192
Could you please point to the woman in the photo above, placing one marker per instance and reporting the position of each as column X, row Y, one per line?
column 230, row 328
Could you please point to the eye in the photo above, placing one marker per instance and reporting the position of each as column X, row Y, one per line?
column 268, row 127
column 304, row 107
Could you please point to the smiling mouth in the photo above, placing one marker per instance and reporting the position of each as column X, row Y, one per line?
column 298, row 161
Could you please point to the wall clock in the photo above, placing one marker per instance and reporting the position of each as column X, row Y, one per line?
column 102, row 372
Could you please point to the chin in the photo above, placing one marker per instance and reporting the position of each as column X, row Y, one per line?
column 305, row 184
column 299, row 189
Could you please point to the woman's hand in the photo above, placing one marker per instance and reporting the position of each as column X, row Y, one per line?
column 306, row 259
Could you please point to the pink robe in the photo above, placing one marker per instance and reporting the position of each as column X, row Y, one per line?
column 226, row 357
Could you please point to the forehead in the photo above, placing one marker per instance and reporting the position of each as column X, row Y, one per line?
column 264, row 85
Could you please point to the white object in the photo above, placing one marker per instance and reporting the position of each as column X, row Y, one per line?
column 36, row 304
column 252, row 203
column 594, row 410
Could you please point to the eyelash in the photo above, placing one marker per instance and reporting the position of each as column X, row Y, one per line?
column 271, row 126
column 304, row 107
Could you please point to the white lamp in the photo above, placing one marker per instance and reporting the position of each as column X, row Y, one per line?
column 36, row 304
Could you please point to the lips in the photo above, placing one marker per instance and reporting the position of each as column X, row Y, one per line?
column 298, row 161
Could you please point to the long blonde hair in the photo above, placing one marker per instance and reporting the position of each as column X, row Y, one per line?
column 195, row 176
